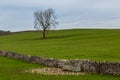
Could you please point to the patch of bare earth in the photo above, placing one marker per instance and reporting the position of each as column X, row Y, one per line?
column 53, row 71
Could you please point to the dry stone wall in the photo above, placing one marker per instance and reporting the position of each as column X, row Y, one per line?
column 112, row 68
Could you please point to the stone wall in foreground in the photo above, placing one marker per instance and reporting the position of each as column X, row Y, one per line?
column 112, row 68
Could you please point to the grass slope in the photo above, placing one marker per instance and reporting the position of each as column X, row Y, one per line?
column 11, row 69
column 66, row 44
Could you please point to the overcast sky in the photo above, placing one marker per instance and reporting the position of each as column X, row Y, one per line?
column 16, row 15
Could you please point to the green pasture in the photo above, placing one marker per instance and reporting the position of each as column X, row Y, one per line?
column 100, row 45
column 93, row 44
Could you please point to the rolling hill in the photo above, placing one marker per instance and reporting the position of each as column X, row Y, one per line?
column 93, row 44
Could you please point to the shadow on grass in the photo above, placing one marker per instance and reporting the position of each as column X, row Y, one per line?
column 53, row 37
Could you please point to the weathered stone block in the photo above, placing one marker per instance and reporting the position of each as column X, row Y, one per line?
column 19, row 57
column 10, row 55
column 71, row 68
column 94, row 67
column 3, row 53
column 85, row 66
column 26, row 58
column 33, row 59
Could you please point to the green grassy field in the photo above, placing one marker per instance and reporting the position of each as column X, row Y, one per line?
column 11, row 69
column 103, row 45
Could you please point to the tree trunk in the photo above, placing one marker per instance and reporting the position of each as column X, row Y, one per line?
column 44, row 34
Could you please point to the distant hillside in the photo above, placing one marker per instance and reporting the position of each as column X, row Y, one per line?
column 4, row 32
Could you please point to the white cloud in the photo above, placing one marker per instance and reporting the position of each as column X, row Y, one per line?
column 71, row 13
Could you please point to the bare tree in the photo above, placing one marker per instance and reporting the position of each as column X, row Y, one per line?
column 44, row 20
